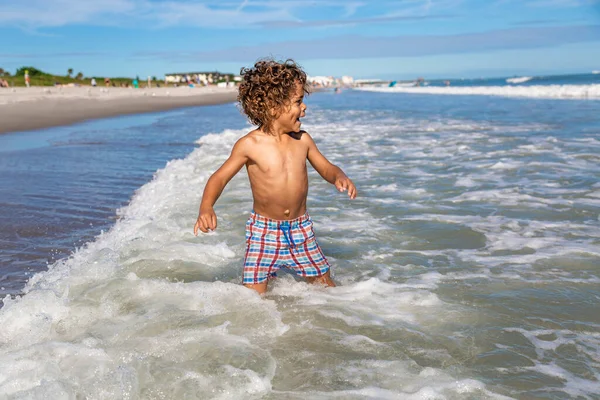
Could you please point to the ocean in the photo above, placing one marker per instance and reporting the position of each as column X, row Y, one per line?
column 577, row 86
column 468, row 266
column 563, row 82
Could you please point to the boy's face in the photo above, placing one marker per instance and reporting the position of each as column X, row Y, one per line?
column 289, row 119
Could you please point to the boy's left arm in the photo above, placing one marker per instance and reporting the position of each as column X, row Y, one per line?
column 330, row 172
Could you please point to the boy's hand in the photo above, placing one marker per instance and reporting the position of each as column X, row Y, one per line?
column 343, row 183
column 207, row 220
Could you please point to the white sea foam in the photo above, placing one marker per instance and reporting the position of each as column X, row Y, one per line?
column 138, row 312
column 547, row 341
column 448, row 210
column 465, row 181
column 534, row 91
column 521, row 79
column 106, row 309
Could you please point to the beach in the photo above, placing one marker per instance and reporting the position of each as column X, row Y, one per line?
column 467, row 267
column 23, row 109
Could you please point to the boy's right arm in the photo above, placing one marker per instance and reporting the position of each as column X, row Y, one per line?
column 207, row 219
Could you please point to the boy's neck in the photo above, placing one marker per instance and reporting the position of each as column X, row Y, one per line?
column 277, row 133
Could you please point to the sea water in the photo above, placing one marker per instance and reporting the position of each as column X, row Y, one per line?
column 468, row 265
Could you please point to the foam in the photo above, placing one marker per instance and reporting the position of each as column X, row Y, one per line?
column 521, row 79
column 427, row 383
column 95, row 301
column 591, row 92
column 447, row 208
column 548, row 341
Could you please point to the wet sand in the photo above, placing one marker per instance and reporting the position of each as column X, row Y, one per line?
column 23, row 109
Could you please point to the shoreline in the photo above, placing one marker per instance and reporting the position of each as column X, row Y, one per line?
column 35, row 108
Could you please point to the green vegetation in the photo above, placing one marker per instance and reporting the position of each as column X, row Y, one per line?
column 41, row 78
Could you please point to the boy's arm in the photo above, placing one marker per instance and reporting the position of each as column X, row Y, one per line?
column 330, row 172
column 207, row 219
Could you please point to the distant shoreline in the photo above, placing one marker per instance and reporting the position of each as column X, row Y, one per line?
column 34, row 108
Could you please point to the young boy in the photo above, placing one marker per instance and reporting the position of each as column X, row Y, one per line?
column 279, row 232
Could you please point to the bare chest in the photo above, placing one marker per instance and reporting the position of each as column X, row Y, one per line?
column 279, row 162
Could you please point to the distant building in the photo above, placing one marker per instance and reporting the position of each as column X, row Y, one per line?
column 321, row 80
column 347, row 80
column 205, row 78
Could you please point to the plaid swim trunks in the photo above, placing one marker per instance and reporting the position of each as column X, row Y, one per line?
column 272, row 244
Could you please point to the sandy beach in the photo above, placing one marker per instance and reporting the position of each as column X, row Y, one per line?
column 24, row 109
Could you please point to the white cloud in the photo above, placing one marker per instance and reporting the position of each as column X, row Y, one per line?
column 225, row 14
column 34, row 14
column 354, row 46
column 49, row 13
column 550, row 3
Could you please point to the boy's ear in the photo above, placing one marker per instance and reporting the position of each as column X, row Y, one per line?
column 274, row 112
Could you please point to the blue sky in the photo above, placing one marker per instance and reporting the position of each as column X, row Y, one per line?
column 396, row 39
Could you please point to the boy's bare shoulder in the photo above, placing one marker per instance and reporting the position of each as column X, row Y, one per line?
column 254, row 135
column 304, row 136
column 248, row 140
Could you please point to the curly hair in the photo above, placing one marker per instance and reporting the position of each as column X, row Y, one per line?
column 266, row 89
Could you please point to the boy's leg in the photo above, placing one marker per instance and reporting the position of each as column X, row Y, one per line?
column 261, row 288
column 254, row 276
column 324, row 279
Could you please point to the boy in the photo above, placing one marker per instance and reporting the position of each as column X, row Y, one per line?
column 279, row 231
